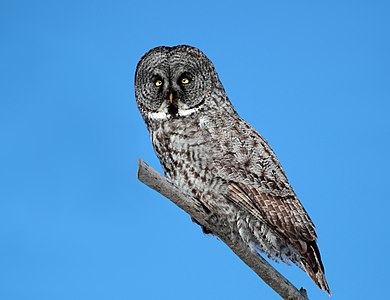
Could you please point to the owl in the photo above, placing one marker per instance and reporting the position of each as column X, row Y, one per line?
column 208, row 151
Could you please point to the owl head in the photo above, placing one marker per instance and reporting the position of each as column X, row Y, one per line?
column 173, row 82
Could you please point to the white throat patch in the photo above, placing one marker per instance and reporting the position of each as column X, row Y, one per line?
column 163, row 114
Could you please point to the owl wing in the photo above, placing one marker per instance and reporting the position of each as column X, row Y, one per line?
column 284, row 214
column 255, row 179
column 289, row 219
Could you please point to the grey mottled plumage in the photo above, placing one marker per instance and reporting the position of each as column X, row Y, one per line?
column 212, row 154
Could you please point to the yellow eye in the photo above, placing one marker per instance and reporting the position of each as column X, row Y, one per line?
column 185, row 80
column 158, row 82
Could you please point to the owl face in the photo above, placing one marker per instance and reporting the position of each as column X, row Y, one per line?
column 173, row 82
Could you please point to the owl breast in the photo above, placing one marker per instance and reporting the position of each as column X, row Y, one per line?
column 181, row 145
column 189, row 152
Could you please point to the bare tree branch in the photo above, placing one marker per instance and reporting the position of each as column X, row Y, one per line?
column 194, row 208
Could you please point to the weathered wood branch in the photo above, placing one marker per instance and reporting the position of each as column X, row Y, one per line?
column 194, row 208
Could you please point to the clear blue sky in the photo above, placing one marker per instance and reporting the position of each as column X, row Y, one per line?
column 313, row 78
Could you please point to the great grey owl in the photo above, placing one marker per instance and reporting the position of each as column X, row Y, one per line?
column 209, row 152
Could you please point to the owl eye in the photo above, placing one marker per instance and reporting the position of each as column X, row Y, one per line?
column 158, row 82
column 185, row 80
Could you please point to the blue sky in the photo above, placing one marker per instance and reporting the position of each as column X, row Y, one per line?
column 75, row 223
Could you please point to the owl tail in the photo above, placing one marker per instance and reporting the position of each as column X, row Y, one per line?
column 312, row 263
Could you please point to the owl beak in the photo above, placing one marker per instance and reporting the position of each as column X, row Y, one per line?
column 170, row 97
